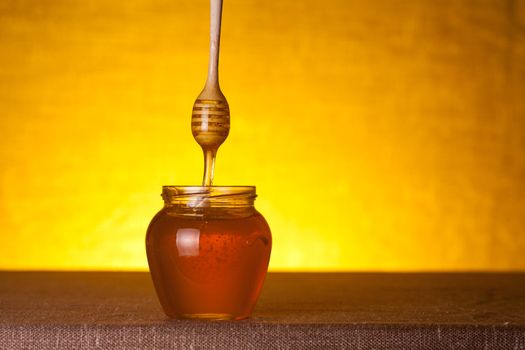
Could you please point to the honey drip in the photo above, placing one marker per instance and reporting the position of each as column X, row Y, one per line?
column 210, row 119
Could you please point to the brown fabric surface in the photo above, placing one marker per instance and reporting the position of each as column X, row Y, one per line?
column 106, row 310
column 202, row 335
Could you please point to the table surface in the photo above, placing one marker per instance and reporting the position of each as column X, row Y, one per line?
column 299, row 309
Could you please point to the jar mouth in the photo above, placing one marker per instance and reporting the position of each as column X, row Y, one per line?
column 209, row 196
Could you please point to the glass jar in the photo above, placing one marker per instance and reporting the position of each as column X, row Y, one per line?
column 208, row 252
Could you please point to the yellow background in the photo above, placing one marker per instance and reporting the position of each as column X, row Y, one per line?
column 381, row 135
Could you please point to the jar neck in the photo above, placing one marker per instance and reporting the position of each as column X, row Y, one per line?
column 217, row 201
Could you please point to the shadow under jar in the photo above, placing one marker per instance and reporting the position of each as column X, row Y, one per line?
column 208, row 252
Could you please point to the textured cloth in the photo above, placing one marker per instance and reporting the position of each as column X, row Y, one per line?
column 119, row 310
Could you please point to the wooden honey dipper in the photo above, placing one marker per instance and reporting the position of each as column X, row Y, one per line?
column 210, row 119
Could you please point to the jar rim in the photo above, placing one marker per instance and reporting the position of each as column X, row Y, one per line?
column 199, row 196
column 190, row 189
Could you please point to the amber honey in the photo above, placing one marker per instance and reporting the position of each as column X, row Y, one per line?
column 208, row 254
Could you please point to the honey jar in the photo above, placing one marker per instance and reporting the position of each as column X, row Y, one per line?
column 208, row 251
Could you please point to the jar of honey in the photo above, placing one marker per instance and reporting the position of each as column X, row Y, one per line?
column 208, row 251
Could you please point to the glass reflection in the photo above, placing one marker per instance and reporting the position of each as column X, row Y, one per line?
column 188, row 241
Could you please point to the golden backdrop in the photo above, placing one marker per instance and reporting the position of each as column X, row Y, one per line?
column 381, row 135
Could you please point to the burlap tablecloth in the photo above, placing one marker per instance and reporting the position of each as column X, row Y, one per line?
column 119, row 310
